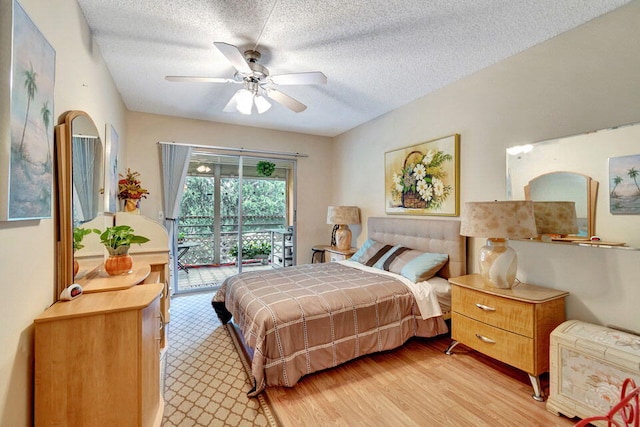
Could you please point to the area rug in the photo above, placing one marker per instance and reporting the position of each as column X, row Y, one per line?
column 206, row 380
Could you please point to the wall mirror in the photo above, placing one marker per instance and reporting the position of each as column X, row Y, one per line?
column 80, row 178
column 567, row 186
column 576, row 168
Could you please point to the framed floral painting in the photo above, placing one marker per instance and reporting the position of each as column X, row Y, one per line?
column 423, row 179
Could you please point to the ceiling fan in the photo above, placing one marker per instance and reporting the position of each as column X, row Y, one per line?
column 256, row 81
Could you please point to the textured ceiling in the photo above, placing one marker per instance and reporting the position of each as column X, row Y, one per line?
column 377, row 54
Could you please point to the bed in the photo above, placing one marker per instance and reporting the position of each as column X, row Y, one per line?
column 298, row 320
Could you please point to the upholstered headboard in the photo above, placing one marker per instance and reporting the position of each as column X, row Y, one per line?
column 427, row 235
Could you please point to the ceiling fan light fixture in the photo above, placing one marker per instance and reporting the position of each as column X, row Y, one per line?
column 262, row 104
column 244, row 101
column 256, row 82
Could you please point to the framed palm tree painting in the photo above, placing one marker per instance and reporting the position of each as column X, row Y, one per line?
column 624, row 184
column 27, row 67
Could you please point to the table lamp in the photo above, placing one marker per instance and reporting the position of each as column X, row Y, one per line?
column 555, row 218
column 342, row 216
column 499, row 222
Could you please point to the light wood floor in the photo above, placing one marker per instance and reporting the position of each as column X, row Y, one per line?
column 417, row 385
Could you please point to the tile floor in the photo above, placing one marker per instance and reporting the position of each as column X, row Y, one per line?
column 197, row 279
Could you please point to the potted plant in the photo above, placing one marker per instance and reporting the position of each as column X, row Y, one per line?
column 130, row 190
column 263, row 250
column 118, row 240
column 252, row 250
column 78, row 235
column 265, row 168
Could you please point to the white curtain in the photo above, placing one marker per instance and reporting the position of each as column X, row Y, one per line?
column 175, row 162
column 84, row 182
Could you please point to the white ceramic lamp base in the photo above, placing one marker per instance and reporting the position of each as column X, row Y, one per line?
column 498, row 264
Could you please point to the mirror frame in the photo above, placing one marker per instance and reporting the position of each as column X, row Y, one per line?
column 64, row 201
column 592, row 195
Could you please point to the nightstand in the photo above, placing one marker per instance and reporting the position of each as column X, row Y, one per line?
column 331, row 253
column 510, row 325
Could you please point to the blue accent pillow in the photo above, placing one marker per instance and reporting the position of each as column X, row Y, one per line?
column 424, row 266
column 366, row 251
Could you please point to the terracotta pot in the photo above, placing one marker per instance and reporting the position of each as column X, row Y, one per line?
column 76, row 267
column 119, row 261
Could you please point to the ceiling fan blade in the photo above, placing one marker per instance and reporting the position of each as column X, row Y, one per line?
column 200, row 79
column 310, row 78
column 234, row 56
column 286, row 100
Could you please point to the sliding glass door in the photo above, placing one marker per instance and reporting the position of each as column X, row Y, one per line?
column 229, row 213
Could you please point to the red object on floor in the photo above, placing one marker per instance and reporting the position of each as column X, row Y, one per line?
column 627, row 411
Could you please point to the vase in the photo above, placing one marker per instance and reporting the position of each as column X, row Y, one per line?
column 131, row 206
column 119, row 261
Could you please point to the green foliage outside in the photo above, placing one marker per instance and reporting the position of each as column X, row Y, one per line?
column 251, row 249
column 261, row 197
column 264, row 206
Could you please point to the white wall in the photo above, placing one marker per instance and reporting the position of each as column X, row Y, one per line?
column 314, row 172
column 27, row 257
column 580, row 81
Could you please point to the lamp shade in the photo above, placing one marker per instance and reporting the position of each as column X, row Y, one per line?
column 343, row 215
column 512, row 219
column 555, row 217
column 498, row 222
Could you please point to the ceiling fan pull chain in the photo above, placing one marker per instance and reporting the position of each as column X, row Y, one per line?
column 265, row 24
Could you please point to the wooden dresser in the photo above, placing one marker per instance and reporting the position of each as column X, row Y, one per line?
column 510, row 325
column 97, row 360
column 99, row 357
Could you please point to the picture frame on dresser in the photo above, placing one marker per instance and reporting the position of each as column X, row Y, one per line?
column 424, row 179
column 27, row 71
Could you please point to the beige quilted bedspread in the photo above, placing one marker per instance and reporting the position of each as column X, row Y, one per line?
column 303, row 319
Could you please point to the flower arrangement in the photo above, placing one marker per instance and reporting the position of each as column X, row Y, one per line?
column 129, row 186
column 419, row 184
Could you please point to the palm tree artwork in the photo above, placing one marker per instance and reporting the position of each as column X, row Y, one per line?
column 624, row 197
column 616, row 181
column 31, row 88
column 46, row 120
column 633, row 174
column 30, row 165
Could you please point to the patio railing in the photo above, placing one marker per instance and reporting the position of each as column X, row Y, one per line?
column 200, row 229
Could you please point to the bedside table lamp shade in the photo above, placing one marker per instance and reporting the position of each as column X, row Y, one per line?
column 555, row 217
column 499, row 222
column 342, row 216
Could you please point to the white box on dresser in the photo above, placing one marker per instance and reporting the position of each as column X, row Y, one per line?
column 588, row 365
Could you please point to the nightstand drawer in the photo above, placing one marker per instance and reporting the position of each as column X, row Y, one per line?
column 333, row 257
column 504, row 313
column 513, row 349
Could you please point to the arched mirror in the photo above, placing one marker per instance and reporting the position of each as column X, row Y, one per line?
column 568, row 186
column 80, row 178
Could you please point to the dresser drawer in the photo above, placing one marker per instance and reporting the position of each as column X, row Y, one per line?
column 510, row 315
column 514, row 349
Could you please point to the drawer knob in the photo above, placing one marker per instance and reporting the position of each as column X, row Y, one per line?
column 485, row 339
column 485, row 307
